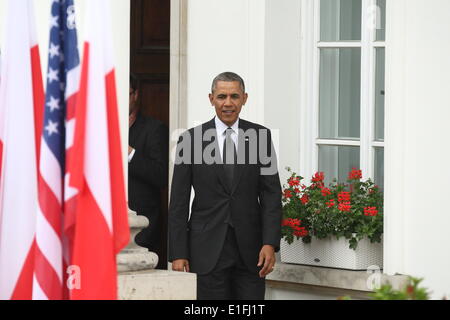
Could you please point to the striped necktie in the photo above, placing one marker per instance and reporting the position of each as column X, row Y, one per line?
column 229, row 155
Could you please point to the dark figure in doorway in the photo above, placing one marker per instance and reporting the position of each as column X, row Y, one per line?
column 148, row 158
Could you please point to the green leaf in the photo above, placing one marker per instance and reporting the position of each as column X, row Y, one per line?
column 353, row 243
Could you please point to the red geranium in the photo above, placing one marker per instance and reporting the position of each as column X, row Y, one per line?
column 326, row 192
column 294, row 181
column 370, row 211
column 344, row 196
column 318, row 177
column 295, row 225
column 287, row 194
column 330, row 203
column 291, row 222
column 304, row 199
column 301, row 232
column 345, row 206
column 355, row 174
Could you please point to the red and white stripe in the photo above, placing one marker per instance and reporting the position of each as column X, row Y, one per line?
column 2, row 118
column 96, row 169
column 48, row 269
column 21, row 105
column 70, row 194
column 2, row 126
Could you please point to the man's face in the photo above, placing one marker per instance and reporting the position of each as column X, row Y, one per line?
column 133, row 100
column 228, row 99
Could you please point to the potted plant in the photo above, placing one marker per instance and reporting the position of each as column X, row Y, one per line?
column 410, row 291
column 339, row 225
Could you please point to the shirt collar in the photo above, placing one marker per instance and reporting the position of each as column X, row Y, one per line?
column 222, row 127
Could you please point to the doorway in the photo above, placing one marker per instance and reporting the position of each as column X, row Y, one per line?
column 150, row 62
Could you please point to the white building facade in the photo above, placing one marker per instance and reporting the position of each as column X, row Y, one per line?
column 346, row 83
column 342, row 83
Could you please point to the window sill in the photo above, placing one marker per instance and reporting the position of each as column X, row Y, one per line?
column 330, row 278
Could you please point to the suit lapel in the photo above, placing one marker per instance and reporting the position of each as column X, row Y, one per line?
column 136, row 130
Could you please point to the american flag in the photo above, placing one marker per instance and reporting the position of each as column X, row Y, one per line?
column 52, row 246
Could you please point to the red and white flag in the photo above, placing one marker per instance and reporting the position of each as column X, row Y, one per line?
column 101, row 221
column 21, row 111
column 52, row 245
column 2, row 117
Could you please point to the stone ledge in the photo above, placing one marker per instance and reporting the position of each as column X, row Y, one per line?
column 331, row 278
column 157, row 285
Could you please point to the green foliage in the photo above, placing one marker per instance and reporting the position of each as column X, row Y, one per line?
column 411, row 291
column 353, row 210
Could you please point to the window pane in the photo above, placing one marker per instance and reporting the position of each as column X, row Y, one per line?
column 379, row 167
column 381, row 20
column 340, row 20
column 338, row 161
column 340, row 93
column 379, row 94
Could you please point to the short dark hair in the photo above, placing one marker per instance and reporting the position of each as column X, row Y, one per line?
column 134, row 82
column 228, row 77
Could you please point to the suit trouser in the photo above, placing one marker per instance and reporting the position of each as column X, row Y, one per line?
column 230, row 279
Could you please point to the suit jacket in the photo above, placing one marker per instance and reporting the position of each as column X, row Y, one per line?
column 148, row 169
column 253, row 202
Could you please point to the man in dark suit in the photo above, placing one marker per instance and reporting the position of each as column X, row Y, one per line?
column 234, row 227
column 148, row 158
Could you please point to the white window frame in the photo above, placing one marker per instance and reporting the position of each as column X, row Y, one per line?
column 309, row 74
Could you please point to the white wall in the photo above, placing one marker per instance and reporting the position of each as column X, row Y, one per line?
column 417, row 138
column 282, row 80
column 244, row 36
column 120, row 11
column 224, row 36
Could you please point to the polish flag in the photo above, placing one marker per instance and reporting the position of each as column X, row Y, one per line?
column 100, row 221
column 21, row 112
column 2, row 118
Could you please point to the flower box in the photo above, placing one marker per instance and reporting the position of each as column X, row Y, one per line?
column 315, row 216
column 333, row 253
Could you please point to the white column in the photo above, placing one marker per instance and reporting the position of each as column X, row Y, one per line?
column 283, row 81
column 417, row 139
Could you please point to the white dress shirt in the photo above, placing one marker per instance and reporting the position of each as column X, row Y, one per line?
column 221, row 129
column 131, row 155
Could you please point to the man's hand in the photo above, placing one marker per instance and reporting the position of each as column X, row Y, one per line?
column 130, row 150
column 266, row 257
column 180, row 265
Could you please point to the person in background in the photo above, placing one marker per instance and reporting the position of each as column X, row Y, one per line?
column 148, row 158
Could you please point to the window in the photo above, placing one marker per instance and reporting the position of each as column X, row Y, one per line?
column 344, row 70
